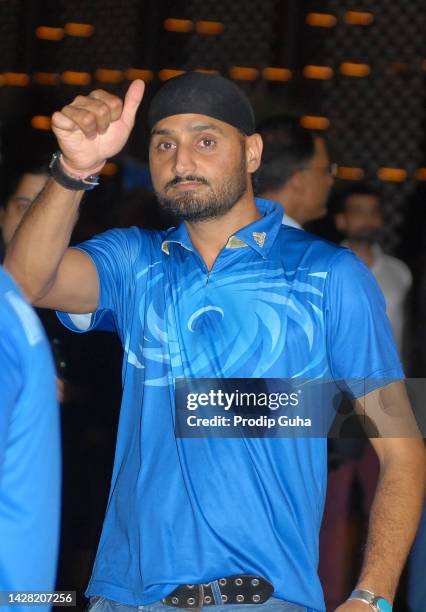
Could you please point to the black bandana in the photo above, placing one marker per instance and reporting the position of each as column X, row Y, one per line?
column 203, row 94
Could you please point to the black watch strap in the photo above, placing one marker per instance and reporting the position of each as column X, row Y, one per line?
column 67, row 181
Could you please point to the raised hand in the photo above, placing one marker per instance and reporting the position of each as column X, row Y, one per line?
column 95, row 127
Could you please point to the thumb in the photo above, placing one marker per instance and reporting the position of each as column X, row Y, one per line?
column 132, row 100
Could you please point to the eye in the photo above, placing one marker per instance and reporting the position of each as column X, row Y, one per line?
column 165, row 146
column 207, row 143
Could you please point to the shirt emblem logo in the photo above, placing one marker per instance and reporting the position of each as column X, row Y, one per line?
column 259, row 238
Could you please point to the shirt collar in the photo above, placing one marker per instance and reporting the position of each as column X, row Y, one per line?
column 287, row 220
column 178, row 235
column 376, row 249
column 259, row 235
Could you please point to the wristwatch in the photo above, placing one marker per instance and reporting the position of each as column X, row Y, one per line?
column 71, row 182
column 378, row 603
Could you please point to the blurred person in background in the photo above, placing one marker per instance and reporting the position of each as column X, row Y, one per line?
column 412, row 250
column 25, row 183
column 23, row 187
column 87, row 382
column 296, row 170
column 359, row 219
column 29, row 452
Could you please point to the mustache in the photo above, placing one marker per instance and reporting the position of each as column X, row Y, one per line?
column 185, row 179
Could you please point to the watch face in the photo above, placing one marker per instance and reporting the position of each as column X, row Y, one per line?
column 383, row 605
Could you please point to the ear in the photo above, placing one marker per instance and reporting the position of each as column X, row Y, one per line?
column 340, row 222
column 299, row 182
column 254, row 147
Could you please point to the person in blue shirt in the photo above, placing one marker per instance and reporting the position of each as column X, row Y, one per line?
column 229, row 294
column 29, row 452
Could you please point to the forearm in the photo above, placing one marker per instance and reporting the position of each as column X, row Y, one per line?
column 394, row 520
column 42, row 238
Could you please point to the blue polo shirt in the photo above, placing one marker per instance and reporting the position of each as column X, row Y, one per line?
column 29, row 449
column 278, row 303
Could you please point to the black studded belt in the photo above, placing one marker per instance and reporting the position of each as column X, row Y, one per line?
column 241, row 589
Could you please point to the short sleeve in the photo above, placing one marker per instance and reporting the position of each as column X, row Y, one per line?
column 361, row 348
column 114, row 254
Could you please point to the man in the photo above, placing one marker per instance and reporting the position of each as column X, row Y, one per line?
column 78, row 366
column 28, row 185
column 29, row 453
column 296, row 171
column 230, row 294
column 359, row 219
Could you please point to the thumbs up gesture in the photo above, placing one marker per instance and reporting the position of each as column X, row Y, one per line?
column 95, row 127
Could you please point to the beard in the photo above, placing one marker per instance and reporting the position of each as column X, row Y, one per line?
column 366, row 237
column 188, row 206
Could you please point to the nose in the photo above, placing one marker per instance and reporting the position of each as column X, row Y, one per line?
column 183, row 162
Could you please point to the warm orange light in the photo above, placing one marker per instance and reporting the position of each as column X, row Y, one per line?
column 105, row 75
column 16, row 79
column 82, row 30
column 276, row 74
column 312, row 122
column 358, row 18
column 40, row 122
column 76, row 78
column 206, row 71
column 355, row 70
column 2, row 80
column 46, row 78
column 424, row 64
column 321, row 20
column 169, row 73
column 209, row 27
column 243, row 73
column 395, row 175
column 324, row 73
column 139, row 73
column 178, row 25
column 421, row 174
column 109, row 169
column 350, row 174
column 47, row 33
